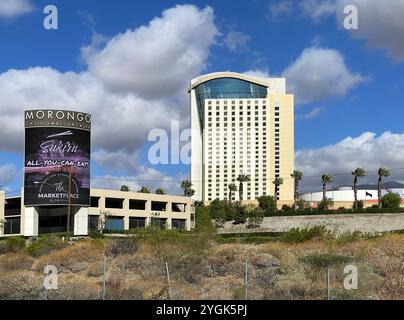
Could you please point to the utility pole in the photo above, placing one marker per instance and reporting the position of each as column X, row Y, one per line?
column 69, row 197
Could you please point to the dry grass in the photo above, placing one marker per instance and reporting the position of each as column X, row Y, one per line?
column 276, row 271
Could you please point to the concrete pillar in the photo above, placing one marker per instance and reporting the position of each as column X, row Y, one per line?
column 169, row 224
column 81, row 222
column 31, row 222
column 126, row 222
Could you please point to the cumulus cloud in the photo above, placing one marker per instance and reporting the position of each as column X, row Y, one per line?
column 367, row 151
column 319, row 73
column 381, row 24
column 121, row 122
column 146, row 177
column 14, row 8
column 8, row 173
column 281, row 8
column 236, row 40
column 160, row 58
column 317, row 9
column 149, row 66
column 311, row 114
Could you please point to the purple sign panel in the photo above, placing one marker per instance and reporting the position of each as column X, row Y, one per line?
column 57, row 144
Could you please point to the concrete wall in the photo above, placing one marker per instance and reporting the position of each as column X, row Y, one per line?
column 338, row 223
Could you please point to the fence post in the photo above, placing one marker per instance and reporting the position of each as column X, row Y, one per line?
column 328, row 284
column 169, row 283
column 246, row 279
column 104, row 279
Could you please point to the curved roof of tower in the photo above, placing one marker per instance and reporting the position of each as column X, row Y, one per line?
column 217, row 75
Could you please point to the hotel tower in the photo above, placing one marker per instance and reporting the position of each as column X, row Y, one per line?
column 241, row 125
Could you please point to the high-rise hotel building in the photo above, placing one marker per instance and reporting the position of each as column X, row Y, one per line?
column 241, row 125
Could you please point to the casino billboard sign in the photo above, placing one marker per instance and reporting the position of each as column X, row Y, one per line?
column 57, row 144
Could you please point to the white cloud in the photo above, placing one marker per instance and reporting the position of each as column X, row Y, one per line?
column 281, row 8
column 14, row 8
column 236, row 40
column 147, row 177
column 264, row 73
column 8, row 173
column 381, row 24
column 367, row 151
column 319, row 73
column 311, row 114
column 120, row 121
column 317, row 9
column 159, row 59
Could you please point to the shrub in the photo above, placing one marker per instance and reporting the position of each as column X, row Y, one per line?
column 361, row 204
column 14, row 244
column 221, row 210
column 323, row 260
column 203, row 220
column 121, row 247
column 268, row 204
column 43, row 245
column 240, row 213
column 391, row 201
column 255, row 218
column 296, row 235
column 285, row 207
column 325, row 204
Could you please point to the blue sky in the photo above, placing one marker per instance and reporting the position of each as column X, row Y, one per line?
column 347, row 83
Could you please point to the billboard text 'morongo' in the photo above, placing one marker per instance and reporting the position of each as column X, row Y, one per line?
column 57, row 143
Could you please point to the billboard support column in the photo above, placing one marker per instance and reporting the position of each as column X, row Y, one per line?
column 69, row 205
column 31, row 222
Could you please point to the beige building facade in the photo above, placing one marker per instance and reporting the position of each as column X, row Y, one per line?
column 241, row 125
column 126, row 211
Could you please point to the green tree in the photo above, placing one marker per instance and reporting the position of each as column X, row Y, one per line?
column 325, row 179
column 255, row 216
column 203, row 220
column 277, row 182
column 220, row 211
column 241, row 179
column 232, row 188
column 267, row 204
column 186, row 186
column 160, row 191
column 391, row 201
column 125, row 188
column 381, row 173
column 144, row 190
column 358, row 173
column 297, row 176
column 240, row 214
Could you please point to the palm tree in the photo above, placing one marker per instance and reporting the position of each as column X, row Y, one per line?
column 382, row 173
column 232, row 188
column 144, row 190
column 277, row 182
column 358, row 173
column 297, row 175
column 241, row 179
column 186, row 186
column 125, row 188
column 325, row 179
column 160, row 191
